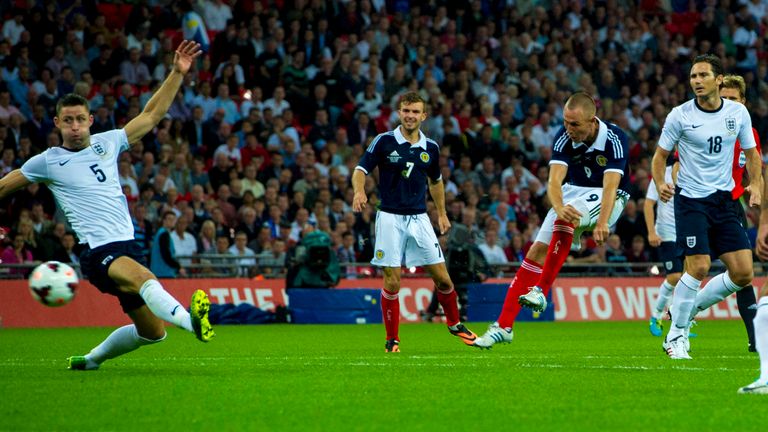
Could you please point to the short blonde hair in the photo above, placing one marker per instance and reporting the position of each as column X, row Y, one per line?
column 735, row 82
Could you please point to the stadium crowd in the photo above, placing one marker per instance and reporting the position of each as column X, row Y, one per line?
column 260, row 144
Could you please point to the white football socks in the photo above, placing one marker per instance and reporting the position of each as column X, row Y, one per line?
column 665, row 292
column 761, row 336
column 164, row 306
column 715, row 291
column 682, row 303
column 119, row 342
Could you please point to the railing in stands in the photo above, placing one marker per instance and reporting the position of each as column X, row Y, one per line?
column 227, row 266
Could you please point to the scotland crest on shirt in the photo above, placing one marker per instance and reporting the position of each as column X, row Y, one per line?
column 730, row 125
column 424, row 157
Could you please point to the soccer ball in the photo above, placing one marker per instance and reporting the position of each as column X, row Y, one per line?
column 53, row 283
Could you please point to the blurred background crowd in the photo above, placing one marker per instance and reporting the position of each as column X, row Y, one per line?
column 259, row 146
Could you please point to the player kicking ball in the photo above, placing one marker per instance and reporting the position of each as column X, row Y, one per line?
column 82, row 174
column 587, row 188
column 407, row 162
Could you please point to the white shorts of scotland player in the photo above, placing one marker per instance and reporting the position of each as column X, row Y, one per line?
column 405, row 240
column 587, row 200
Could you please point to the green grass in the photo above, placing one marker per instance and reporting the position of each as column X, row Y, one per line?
column 554, row 376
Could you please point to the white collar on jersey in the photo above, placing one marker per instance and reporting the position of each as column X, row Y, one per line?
column 602, row 134
column 422, row 142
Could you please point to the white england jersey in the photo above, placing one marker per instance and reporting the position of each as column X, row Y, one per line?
column 705, row 142
column 87, row 187
column 665, row 211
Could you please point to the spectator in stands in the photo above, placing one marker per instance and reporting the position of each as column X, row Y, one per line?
column 206, row 238
column 249, row 223
column 205, row 100
column 218, row 260
column 41, row 222
column 630, row 224
column 246, row 261
column 493, row 252
column 163, row 261
column 251, row 183
column 232, row 151
column 220, row 173
column 6, row 108
column 637, row 252
column 216, row 14
column 224, row 102
column 17, row 253
column 13, row 27
column 322, row 131
column 273, row 263
column 614, row 253
column 143, row 230
column 199, row 177
column 184, row 243
column 277, row 102
column 223, row 193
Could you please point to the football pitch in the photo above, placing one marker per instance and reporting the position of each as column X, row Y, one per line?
column 554, row 376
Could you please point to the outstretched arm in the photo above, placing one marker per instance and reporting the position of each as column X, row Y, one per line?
column 12, row 182
column 158, row 105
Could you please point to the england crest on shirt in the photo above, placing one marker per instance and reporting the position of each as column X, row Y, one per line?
column 99, row 149
column 730, row 125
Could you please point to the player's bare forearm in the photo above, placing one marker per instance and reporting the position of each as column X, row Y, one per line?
column 358, row 181
column 608, row 200
column 650, row 217
column 359, row 199
column 658, row 169
column 610, row 188
column 555, row 186
column 437, row 192
column 155, row 109
column 12, row 182
column 158, row 104
column 754, row 165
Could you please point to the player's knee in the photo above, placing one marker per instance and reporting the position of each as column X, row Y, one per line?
column 742, row 277
column 673, row 278
column 697, row 269
column 392, row 285
column 444, row 286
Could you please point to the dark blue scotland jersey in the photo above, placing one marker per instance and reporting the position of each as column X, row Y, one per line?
column 403, row 170
column 588, row 164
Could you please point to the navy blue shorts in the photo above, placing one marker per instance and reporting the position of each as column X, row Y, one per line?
column 671, row 257
column 709, row 225
column 95, row 263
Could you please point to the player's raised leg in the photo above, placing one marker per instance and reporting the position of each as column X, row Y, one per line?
column 147, row 329
column 134, row 277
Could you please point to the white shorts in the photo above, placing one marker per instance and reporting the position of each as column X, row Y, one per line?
column 587, row 201
column 405, row 240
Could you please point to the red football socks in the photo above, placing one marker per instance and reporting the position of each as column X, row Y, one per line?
column 390, row 313
column 450, row 306
column 526, row 277
column 559, row 248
